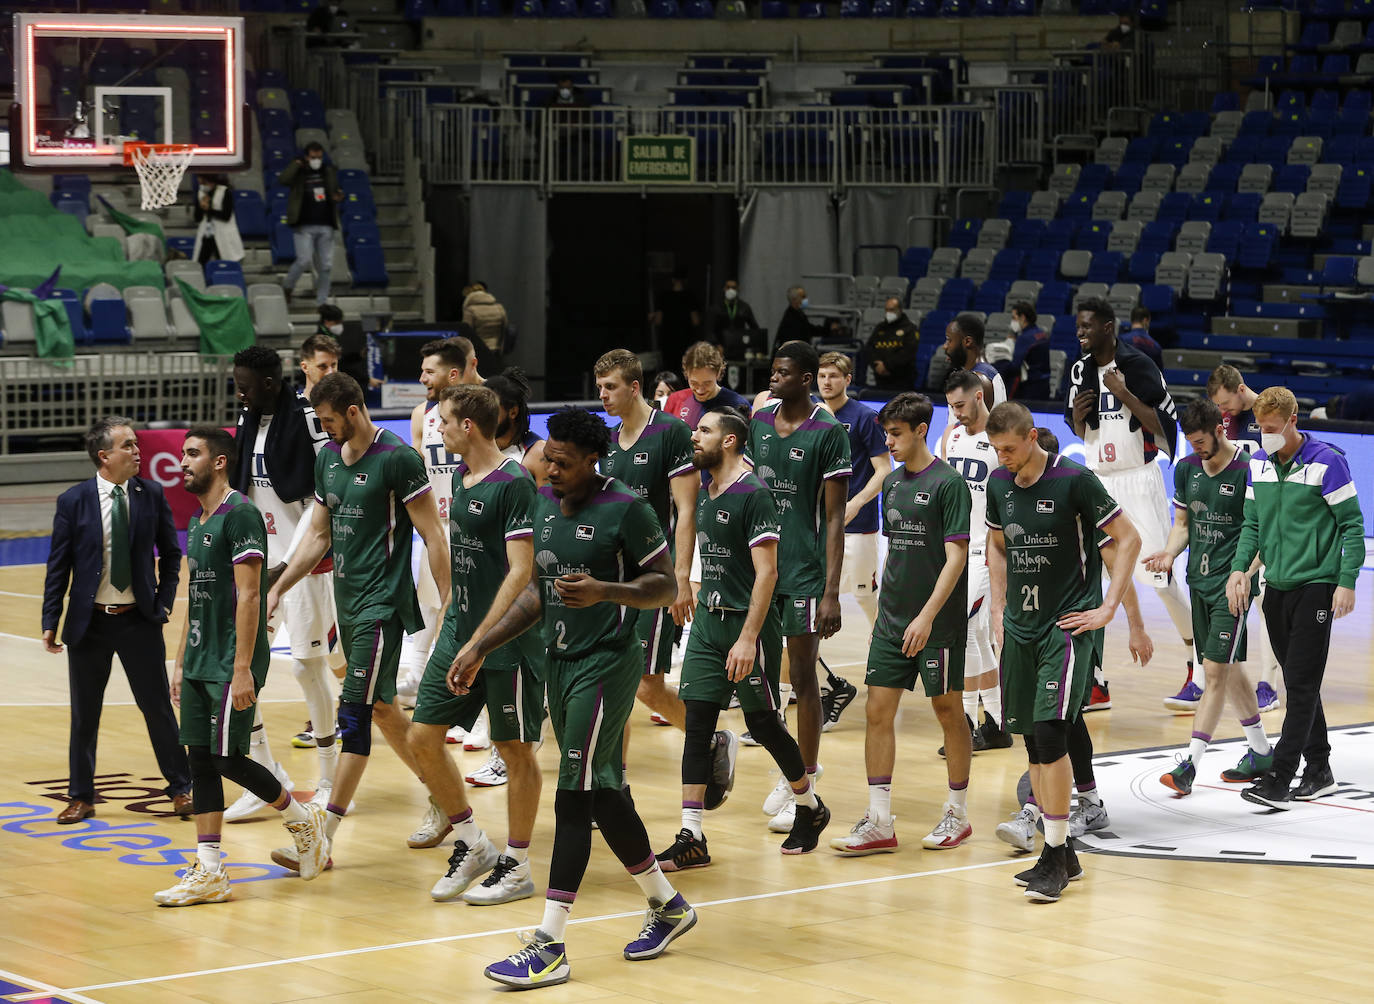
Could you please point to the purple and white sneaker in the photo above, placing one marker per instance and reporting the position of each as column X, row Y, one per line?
column 1186, row 700
column 541, row 963
column 1265, row 696
column 661, row 925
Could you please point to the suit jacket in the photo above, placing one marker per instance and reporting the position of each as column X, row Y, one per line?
column 78, row 552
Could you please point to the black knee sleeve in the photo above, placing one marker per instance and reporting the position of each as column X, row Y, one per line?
column 572, row 839
column 249, row 775
column 1081, row 752
column 207, row 788
column 621, row 827
column 702, row 717
column 1052, row 740
column 767, row 728
column 355, row 727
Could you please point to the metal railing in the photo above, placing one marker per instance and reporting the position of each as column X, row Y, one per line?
column 934, row 146
column 42, row 398
column 1019, row 111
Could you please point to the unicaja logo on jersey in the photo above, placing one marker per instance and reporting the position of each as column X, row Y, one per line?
column 1013, row 530
column 546, row 559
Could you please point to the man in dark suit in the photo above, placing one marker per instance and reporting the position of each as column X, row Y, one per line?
column 103, row 536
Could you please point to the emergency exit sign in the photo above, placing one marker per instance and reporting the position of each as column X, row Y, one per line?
column 657, row 160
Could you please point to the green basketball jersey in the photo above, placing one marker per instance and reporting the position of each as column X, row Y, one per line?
column 233, row 533
column 370, row 528
column 729, row 526
column 1216, row 513
column 1051, row 532
column 481, row 519
column 662, row 452
column 795, row 468
column 920, row 512
column 613, row 538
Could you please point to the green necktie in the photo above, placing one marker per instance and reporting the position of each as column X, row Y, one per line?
column 119, row 540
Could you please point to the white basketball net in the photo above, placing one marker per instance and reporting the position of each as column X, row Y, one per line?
column 160, row 171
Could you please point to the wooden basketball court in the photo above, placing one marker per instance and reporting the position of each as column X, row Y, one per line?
column 77, row 920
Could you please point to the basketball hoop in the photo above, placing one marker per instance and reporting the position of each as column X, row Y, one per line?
column 160, row 167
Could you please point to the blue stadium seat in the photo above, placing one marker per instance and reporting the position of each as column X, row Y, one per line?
column 369, row 266
column 774, row 9
column 109, row 323
column 1106, row 267
column 1026, row 235
column 854, row 8
column 914, row 262
column 963, row 233
column 1054, row 298
column 698, row 9
column 72, row 302
column 225, row 273
column 989, row 8
column 283, row 243
column 1141, row 266
column 1225, row 101
column 1339, row 271
column 1243, row 206
column 1093, row 236
column 1207, row 206
column 535, row 8
column 250, row 213
column 1021, row 8
column 1007, row 264
column 991, row 296
column 956, row 295
column 1078, row 206
column 1013, row 205
column 886, row 8
column 811, row 8
column 1223, row 178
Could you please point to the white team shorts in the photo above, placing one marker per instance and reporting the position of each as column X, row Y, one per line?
column 859, row 573
column 1142, row 496
column 307, row 609
column 978, row 583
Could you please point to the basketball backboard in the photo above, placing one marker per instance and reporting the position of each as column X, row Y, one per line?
column 85, row 84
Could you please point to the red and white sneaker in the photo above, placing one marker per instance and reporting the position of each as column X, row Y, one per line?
column 1100, row 700
column 868, row 837
column 658, row 719
column 951, row 831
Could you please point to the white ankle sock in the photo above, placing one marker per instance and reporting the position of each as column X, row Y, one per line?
column 555, row 922
column 992, row 703
column 958, row 797
column 519, row 854
column 971, row 705
column 1259, row 742
column 691, row 820
column 207, row 854
column 654, row 884
column 1056, row 831
column 294, row 812
column 1196, row 748
column 880, row 800
column 807, row 797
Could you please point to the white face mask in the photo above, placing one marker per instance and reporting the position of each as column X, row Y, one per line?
column 1015, row 327
column 730, row 294
column 890, row 316
column 806, row 302
column 565, row 93
column 1272, row 442
column 335, row 329
column 316, row 163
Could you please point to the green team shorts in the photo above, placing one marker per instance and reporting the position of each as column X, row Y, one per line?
column 590, row 699
column 1048, row 678
column 797, row 613
column 512, row 694
column 373, row 650
column 703, row 666
column 208, row 718
column 1219, row 634
column 657, row 635
column 940, row 670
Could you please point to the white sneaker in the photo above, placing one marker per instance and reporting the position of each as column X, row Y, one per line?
column 1019, row 830
column 312, row 846
column 432, row 829
column 787, row 815
column 1087, row 816
column 479, row 736
column 195, row 886
column 249, row 805
column 408, row 687
column 509, row 880
column 491, row 774
column 324, row 793
column 868, row 837
column 455, row 735
column 464, row 865
column 781, row 794
column 951, row 831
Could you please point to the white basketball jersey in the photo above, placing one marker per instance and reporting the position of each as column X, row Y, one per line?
column 1113, row 447
column 971, row 454
column 438, row 461
column 280, row 517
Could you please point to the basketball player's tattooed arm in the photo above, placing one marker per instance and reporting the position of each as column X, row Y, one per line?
column 307, row 556
column 1127, row 540
column 655, row 586
column 519, row 565
column 997, row 583
column 1163, row 561
column 828, row 611
column 522, row 615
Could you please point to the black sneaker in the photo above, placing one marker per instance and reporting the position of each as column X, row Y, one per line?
column 1049, row 883
column 1072, row 868
column 833, row 703
column 687, row 852
column 724, row 752
column 979, row 743
column 1269, row 791
column 994, row 736
column 1316, row 782
column 806, row 828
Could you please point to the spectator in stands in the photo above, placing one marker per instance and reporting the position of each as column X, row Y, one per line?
column 1030, row 357
column 703, row 366
column 666, row 384
column 891, row 349
column 325, row 20
column 320, row 355
column 964, row 349
column 352, row 345
column 217, row 232
column 794, row 325
column 1139, row 337
column 487, row 319
column 1357, row 406
column 567, row 94
column 678, row 316
column 312, row 214
column 730, row 320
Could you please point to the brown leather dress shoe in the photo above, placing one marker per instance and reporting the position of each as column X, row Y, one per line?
column 75, row 811
column 181, row 805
